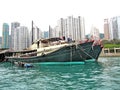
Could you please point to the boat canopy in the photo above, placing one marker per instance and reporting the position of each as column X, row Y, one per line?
column 50, row 40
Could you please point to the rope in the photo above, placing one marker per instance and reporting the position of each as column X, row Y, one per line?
column 80, row 55
column 85, row 52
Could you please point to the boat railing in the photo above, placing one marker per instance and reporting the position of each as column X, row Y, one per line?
column 45, row 50
column 28, row 54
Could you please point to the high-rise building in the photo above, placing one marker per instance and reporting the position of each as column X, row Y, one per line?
column 110, row 29
column 95, row 33
column 14, row 25
column 101, row 36
column 36, row 33
column 46, row 33
column 0, row 42
column 72, row 28
column 114, row 26
column 5, row 36
column 106, row 30
column 21, row 40
column 51, row 32
column 61, row 29
column 118, row 24
column 9, row 40
column 54, row 32
column 57, row 32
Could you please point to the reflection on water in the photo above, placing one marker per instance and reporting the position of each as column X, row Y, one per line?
column 101, row 75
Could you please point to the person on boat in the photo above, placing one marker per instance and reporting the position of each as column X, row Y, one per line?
column 69, row 40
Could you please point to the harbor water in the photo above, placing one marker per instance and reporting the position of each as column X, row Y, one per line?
column 101, row 75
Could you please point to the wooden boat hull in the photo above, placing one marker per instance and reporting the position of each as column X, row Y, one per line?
column 71, row 53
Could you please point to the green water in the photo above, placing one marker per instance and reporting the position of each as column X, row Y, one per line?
column 101, row 75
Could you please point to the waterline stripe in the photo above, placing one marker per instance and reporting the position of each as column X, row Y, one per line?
column 49, row 63
column 90, row 60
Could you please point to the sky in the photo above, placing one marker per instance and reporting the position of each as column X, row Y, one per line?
column 48, row 12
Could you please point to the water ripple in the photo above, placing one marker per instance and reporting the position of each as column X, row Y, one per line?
column 101, row 75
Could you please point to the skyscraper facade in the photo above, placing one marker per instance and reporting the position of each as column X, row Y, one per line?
column 56, row 32
column 95, row 33
column 21, row 40
column 0, row 42
column 5, row 36
column 106, row 30
column 72, row 28
column 51, row 32
column 36, row 34
column 45, row 34
column 114, row 26
column 118, row 25
column 14, row 25
column 110, row 29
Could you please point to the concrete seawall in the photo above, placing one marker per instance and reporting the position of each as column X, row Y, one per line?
column 110, row 52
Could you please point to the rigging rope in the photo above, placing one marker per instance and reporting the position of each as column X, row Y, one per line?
column 85, row 52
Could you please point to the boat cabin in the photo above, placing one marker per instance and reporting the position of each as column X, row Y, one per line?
column 47, row 43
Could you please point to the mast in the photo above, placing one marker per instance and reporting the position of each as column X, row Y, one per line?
column 32, row 31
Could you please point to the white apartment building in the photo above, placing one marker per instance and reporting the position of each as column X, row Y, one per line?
column 21, row 38
column 110, row 29
column 95, row 33
column 71, row 28
column 14, row 25
column 114, row 26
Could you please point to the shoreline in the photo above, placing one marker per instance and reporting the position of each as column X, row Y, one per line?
column 110, row 55
column 110, row 52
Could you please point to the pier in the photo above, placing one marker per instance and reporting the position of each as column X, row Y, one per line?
column 110, row 52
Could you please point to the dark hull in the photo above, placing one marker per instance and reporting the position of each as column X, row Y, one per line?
column 72, row 53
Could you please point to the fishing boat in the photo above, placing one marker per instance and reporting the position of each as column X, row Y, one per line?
column 59, row 50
